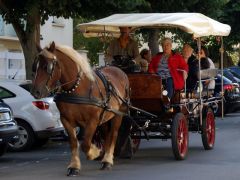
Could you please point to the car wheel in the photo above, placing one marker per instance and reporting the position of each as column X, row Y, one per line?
column 3, row 148
column 26, row 138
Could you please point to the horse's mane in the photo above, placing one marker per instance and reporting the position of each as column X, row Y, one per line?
column 81, row 62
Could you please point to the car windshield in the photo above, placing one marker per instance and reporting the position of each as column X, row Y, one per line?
column 225, row 80
column 235, row 71
column 229, row 75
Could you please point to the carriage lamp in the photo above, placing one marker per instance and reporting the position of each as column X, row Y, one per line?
column 165, row 93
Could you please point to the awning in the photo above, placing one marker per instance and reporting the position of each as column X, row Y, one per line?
column 194, row 23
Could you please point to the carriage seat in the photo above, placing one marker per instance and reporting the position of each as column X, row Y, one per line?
column 206, row 74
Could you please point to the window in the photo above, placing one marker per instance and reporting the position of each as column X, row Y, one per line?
column 14, row 64
column 58, row 21
column 5, row 93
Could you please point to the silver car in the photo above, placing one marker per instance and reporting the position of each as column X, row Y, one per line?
column 37, row 120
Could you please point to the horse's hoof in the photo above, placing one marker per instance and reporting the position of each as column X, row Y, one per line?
column 106, row 166
column 73, row 172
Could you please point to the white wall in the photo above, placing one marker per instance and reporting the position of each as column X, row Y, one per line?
column 12, row 60
column 58, row 30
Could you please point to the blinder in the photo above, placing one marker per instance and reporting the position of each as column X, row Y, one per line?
column 51, row 66
column 47, row 62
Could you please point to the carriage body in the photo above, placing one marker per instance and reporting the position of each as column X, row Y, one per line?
column 150, row 113
column 146, row 91
column 157, row 118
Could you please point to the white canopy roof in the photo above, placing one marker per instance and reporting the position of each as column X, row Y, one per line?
column 194, row 23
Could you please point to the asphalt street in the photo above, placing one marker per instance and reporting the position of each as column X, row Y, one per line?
column 154, row 160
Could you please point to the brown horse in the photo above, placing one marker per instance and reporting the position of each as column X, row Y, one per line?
column 84, row 98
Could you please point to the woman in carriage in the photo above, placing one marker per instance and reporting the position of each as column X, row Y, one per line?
column 171, row 67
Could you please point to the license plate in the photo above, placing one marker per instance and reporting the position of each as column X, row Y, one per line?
column 4, row 116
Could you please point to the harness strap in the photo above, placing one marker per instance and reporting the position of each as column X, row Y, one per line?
column 103, row 102
column 105, row 83
column 106, row 98
column 75, row 99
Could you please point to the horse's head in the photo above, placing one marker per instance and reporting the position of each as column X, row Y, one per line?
column 47, row 72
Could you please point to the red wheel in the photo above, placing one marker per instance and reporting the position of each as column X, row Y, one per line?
column 180, row 136
column 135, row 143
column 208, row 129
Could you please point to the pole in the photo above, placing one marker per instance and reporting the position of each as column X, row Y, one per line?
column 221, row 52
column 200, row 80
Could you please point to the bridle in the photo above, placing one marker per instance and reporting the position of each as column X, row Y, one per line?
column 50, row 70
column 51, row 66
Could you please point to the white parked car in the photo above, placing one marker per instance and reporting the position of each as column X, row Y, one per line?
column 38, row 120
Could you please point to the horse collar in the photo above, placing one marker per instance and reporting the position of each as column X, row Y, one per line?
column 74, row 87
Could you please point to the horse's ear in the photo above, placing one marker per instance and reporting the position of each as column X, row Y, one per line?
column 39, row 49
column 52, row 47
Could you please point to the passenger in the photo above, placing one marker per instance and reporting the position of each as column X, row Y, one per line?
column 187, row 52
column 170, row 66
column 144, row 60
column 124, row 46
column 205, row 54
column 193, row 64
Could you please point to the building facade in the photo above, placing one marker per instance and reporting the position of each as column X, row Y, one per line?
column 12, row 62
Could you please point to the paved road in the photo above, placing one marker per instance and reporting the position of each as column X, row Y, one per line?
column 154, row 160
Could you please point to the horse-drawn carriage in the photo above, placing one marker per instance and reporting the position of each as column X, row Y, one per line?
column 138, row 97
column 150, row 110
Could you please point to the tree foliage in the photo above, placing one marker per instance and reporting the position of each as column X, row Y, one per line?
column 211, row 8
column 26, row 17
column 92, row 45
column 231, row 16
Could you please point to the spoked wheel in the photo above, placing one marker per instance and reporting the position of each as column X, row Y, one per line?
column 135, row 142
column 135, row 145
column 180, row 136
column 208, row 129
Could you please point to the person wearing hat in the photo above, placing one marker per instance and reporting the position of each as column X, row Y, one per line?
column 124, row 45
